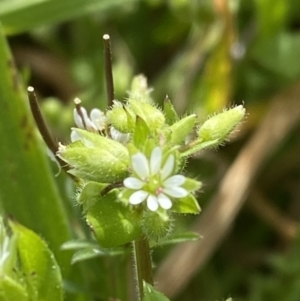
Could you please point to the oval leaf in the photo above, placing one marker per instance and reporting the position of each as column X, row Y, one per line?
column 151, row 294
column 113, row 223
column 41, row 272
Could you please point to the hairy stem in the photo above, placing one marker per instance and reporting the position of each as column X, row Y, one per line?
column 143, row 264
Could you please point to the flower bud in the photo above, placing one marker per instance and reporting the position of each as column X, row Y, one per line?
column 221, row 125
column 121, row 118
column 153, row 117
column 95, row 158
column 139, row 89
column 156, row 225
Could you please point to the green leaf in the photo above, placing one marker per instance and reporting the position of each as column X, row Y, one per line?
column 41, row 270
column 187, row 204
column 10, row 290
column 28, row 190
column 19, row 16
column 177, row 238
column 90, row 253
column 90, row 194
column 151, row 294
column 191, row 184
column 76, row 244
column 112, row 222
column 8, row 251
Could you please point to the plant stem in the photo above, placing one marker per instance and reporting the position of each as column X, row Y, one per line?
column 143, row 264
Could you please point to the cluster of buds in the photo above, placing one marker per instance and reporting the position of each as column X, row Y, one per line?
column 129, row 160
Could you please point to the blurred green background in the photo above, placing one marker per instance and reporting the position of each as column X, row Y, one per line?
column 205, row 55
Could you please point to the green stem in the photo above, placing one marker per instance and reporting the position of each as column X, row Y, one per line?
column 143, row 264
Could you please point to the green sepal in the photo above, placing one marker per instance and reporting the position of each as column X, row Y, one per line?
column 153, row 117
column 11, row 290
column 221, row 125
column 40, row 269
column 89, row 194
column 185, row 205
column 182, row 128
column 121, row 118
column 191, row 184
column 141, row 133
column 170, row 112
column 151, row 294
column 96, row 158
column 112, row 222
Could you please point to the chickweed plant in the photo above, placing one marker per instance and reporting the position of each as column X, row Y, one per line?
column 128, row 163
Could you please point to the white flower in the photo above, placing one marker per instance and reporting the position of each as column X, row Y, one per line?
column 96, row 122
column 154, row 182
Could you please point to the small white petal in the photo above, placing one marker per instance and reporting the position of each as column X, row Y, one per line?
column 133, row 183
column 78, row 119
column 176, row 192
column 176, row 180
column 164, row 201
column 138, row 197
column 98, row 118
column 155, row 160
column 118, row 136
column 140, row 165
column 152, row 203
column 74, row 136
column 168, row 167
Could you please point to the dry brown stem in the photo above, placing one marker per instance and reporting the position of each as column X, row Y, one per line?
column 271, row 215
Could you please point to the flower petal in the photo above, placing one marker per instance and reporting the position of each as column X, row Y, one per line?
column 152, row 203
column 118, row 136
column 140, row 165
column 155, row 160
column 74, row 136
column 138, row 197
column 176, row 192
column 168, row 167
column 133, row 183
column 98, row 118
column 164, row 201
column 77, row 118
column 176, row 180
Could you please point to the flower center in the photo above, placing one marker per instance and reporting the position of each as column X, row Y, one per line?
column 154, row 185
